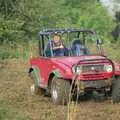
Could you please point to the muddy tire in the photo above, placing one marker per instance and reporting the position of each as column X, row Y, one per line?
column 35, row 90
column 60, row 91
column 115, row 98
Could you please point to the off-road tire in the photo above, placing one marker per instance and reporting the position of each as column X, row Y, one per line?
column 115, row 97
column 35, row 90
column 60, row 91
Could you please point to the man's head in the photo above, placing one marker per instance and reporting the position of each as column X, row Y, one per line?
column 56, row 38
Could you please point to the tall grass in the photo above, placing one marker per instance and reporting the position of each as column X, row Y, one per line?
column 24, row 50
column 20, row 50
column 113, row 51
column 110, row 50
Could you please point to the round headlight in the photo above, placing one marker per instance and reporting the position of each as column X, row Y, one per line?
column 77, row 69
column 108, row 68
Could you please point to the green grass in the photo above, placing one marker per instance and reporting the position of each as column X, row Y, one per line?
column 25, row 50
column 8, row 113
column 20, row 50
column 9, row 55
column 113, row 51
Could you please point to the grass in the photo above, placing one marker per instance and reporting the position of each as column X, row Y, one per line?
column 20, row 104
column 9, row 55
column 24, row 51
column 30, row 48
column 20, row 50
column 113, row 51
column 8, row 113
column 41, row 108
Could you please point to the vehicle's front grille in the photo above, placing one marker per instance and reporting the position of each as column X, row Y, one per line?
column 93, row 68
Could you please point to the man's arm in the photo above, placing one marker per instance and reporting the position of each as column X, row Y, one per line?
column 55, row 48
column 61, row 46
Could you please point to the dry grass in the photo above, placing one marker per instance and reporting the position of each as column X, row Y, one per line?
column 14, row 91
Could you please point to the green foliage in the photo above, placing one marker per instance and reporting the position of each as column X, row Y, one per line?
column 7, row 6
column 11, row 49
column 23, row 19
column 10, row 29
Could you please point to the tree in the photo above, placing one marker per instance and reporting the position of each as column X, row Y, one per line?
column 7, row 6
column 24, row 18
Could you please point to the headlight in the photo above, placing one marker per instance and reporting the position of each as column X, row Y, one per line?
column 108, row 68
column 77, row 69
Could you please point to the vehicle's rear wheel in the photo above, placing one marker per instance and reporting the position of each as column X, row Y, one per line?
column 34, row 88
column 116, row 91
column 60, row 91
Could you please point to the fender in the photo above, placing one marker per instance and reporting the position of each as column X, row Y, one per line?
column 54, row 73
column 36, row 72
column 57, row 73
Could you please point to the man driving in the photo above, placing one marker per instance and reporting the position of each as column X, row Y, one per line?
column 57, row 43
column 57, row 46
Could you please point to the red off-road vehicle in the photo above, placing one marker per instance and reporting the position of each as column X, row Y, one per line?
column 78, row 66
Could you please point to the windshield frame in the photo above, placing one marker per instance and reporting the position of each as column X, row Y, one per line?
column 49, row 36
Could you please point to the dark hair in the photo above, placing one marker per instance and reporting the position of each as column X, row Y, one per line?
column 57, row 35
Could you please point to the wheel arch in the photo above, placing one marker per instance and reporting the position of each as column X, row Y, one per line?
column 57, row 74
column 30, row 70
column 53, row 74
column 50, row 78
column 36, row 76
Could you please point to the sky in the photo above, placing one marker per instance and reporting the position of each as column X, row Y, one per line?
column 109, row 5
column 106, row 2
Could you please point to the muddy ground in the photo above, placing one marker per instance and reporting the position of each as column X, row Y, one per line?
column 14, row 92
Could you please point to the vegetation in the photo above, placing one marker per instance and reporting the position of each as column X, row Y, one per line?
column 21, row 20
column 116, row 31
column 7, row 113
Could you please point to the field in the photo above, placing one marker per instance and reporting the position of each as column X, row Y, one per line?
column 20, row 22
column 17, row 103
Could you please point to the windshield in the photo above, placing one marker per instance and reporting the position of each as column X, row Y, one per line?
column 71, row 44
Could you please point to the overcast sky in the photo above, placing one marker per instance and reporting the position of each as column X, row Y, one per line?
column 109, row 5
column 106, row 2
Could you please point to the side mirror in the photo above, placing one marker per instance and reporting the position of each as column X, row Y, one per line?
column 99, row 42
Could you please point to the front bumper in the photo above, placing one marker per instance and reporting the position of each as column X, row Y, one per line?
column 95, row 84
column 95, row 76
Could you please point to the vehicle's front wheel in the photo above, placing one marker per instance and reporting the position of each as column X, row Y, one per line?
column 60, row 91
column 116, row 91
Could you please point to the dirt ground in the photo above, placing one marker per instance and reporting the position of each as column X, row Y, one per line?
column 14, row 91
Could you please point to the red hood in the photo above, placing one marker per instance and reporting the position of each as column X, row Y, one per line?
column 70, row 61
